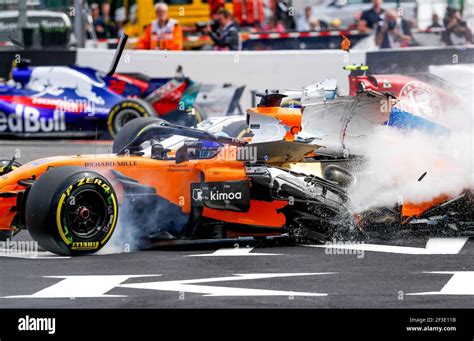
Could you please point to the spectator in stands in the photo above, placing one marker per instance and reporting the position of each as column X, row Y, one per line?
column 227, row 35
column 308, row 22
column 435, row 21
column 371, row 18
column 457, row 33
column 163, row 33
column 95, row 13
column 104, row 25
column 393, row 32
column 448, row 15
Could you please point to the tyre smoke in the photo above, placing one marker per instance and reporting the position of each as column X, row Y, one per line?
column 141, row 217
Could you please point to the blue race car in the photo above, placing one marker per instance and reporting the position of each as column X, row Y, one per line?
column 78, row 101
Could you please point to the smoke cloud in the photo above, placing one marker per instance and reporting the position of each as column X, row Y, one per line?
column 396, row 159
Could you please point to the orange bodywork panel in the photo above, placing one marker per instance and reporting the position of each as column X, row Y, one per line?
column 6, row 212
column 261, row 213
column 158, row 174
column 410, row 210
column 172, row 181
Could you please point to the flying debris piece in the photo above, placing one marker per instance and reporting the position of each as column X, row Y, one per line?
column 16, row 43
column 422, row 176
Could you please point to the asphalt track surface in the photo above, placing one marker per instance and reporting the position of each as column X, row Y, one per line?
column 404, row 274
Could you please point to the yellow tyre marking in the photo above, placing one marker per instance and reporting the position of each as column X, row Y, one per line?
column 109, row 121
column 113, row 223
column 58, row 219
column 142, row 110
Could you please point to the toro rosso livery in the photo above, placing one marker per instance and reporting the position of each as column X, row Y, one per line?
column 55, row 101
column 81, row 101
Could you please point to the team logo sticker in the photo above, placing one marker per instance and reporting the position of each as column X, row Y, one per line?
column 420, row 99
column 231, row 195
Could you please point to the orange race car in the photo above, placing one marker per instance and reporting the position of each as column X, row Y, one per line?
column 207, row 188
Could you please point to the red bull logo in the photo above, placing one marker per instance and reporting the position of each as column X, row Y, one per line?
column 28, row 120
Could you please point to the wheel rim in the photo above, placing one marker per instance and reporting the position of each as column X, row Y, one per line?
column 123, row 117
column 86, row 213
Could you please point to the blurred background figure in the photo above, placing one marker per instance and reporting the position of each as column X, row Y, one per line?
column 394, row 32
column 457, row 32
column 163, row 33
column 308, row 22
column 274, row 25
column 370, row 18
column 95, row 13
column 435, row 21
column 104, row 25
column 226, row 37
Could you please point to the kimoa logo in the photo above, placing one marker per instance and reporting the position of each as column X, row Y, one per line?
column 28, row 323
column 225, row 196
column 197, row 194
column 216, row 195
column 28, row 120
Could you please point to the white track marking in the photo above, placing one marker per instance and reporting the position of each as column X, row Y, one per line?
column 244, row 251
column 461, row 283
column 97, row 286
column 434, row 246
column 192, row 286
column 90, row 286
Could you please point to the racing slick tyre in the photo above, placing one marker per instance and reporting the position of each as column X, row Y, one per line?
column 339, row 175
column 125, row 111
column 71, row 211
column 7, row 166
column 131, row 130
